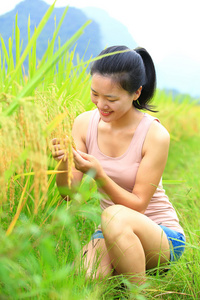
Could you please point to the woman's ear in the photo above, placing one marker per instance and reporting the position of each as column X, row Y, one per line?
column 137, row 94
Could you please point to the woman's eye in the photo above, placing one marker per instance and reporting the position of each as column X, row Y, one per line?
column 112, row 100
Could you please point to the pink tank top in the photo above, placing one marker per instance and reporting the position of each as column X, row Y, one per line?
column 122, row 170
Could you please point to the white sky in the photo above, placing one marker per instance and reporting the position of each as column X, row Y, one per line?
column 163, row 27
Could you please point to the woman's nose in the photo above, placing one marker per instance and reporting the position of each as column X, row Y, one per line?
column 102, row 104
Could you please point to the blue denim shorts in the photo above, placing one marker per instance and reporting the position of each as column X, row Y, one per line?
column 176, row 241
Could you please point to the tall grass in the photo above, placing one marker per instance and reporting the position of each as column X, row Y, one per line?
column 35, row 107
column 41, row 235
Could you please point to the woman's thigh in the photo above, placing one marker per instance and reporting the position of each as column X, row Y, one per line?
column 117, row 219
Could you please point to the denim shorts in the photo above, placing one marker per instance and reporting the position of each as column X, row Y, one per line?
column 176, row 241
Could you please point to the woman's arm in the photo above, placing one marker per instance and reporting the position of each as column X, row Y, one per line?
column 155, row 153
column 79, row 131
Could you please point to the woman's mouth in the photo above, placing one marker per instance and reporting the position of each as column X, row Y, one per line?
column 105, row 113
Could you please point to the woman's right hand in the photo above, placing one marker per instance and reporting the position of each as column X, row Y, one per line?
column 58, row 149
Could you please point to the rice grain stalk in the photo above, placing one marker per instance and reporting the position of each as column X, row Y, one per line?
column 9, row 159
column 12, row 193
column 21, row 203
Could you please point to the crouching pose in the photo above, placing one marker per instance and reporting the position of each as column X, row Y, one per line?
column 128, row 150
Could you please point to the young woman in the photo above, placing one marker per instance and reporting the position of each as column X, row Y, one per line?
column 128, row 150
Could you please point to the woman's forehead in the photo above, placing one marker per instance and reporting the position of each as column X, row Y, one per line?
column 104, row 82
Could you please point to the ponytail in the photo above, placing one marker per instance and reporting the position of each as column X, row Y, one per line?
column 148, row 89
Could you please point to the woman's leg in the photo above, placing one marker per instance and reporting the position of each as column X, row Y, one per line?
column 96, row 259
column 134, row 242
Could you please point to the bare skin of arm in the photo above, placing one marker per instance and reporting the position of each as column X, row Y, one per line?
column 79, row 127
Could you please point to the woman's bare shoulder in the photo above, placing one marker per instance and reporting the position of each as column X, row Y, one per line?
column 82, row 121
column 158, row 135
column 81, row 124
column 158, row 132
column 85, row 116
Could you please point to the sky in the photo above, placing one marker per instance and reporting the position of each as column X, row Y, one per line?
column 168, row 29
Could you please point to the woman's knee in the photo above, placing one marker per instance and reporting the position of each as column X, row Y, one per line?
column 119, row 214
column 110, row 215
column 118, row 219
column 113, row 222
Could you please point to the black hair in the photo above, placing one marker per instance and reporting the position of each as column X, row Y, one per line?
column 131, row 69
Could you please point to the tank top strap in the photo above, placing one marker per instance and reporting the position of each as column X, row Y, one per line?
column 140, row 135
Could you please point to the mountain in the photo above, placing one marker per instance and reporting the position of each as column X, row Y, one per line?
column 74, row 19
column 103, row 30
column 112, row 31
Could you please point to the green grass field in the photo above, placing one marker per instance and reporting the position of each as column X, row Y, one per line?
column 42, row 235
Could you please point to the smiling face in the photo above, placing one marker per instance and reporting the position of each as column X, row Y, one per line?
column 112, row 101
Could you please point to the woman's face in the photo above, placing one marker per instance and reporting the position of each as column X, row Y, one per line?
column 112, row 101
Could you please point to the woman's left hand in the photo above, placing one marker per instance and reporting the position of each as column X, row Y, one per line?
column 85, row 162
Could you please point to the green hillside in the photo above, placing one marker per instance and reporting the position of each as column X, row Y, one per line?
column 36, row 9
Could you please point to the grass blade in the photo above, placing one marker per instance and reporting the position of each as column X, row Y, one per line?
column 39, row 74
column 51, row 45
column 30, row 44
column 19, row 209
column 4, row 50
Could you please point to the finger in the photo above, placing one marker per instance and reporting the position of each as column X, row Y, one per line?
column 56, row 141
column 84, row 155
column 63, row 142
column 77, row 156
column 75, row 152
column 55, row 149
column 57, row 153
column 61, row 157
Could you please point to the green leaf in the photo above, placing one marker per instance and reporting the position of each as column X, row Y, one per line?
column 30, row 44
column 39, row 74
column 4, row 50
column 51, row 45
